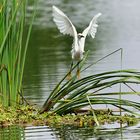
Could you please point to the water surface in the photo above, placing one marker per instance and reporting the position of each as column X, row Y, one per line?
column 105, row 132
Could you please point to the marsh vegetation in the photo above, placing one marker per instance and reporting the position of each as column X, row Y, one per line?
column 69, row 96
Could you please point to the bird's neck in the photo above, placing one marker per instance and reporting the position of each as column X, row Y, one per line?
column 77, row 46
column 81, row 43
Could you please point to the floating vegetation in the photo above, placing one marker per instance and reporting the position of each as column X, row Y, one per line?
column 28, row 116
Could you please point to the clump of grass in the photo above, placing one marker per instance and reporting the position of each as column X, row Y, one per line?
column 70, row 96
column 12, row 49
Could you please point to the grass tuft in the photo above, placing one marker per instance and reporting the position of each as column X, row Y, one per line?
column 12, row 49
column 91, row 90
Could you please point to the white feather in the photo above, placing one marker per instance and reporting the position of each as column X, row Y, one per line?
column 92, row 28
column 65, row 25
column 63, row 22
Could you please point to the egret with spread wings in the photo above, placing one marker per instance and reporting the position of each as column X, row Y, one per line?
column 66, row 27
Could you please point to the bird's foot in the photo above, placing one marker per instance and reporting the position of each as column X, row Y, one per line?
column 69, row 76
column 78, row 73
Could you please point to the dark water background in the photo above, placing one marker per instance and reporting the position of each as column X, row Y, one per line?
column 49, row 58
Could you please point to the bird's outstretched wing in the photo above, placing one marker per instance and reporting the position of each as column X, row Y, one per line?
column 63, row 22
column 92, row 28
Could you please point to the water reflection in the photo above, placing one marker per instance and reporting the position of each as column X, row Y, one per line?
column 12, row 133
column 40, row 133
column 106, row 132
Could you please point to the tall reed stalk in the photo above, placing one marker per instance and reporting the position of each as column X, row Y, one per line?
column 12, row 50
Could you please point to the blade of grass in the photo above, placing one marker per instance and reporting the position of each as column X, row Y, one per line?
column 94, row 115
column 102, row 59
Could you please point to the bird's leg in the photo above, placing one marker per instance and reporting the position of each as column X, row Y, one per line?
column 69, row 74
column 78, row 70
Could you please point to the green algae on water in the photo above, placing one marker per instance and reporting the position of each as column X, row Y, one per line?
column 29, row 116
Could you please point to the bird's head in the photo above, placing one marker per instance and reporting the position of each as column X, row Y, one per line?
column 80, row 35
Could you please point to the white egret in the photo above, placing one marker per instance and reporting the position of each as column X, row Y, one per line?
column 66, row 27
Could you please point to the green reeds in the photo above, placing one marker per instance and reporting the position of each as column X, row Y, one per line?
column 12, row 49
column 72, row 95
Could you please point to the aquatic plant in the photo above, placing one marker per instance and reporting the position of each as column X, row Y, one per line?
column 12, row 49
column 70, row 96
column 27, row 115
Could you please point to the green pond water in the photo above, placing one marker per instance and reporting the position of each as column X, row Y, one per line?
column 49, row 58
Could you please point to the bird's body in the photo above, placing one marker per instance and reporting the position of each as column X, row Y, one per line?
column 66, row 27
